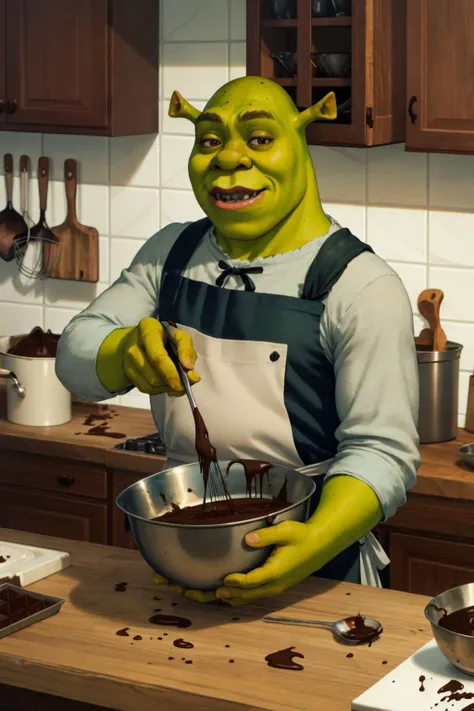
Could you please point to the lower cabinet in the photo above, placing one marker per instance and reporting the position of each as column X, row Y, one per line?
column 50, row 515
column 121, row 534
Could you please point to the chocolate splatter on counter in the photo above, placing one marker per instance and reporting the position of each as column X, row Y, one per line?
column 121, row 587
column 421, row 680
column 236, row 619
column 451, row 687
column 182, row 644
column 384, row 662
column 104, row 431
column 350, row 655
column 138, row 637
column 123, row 632
column 227, row 646
column 460, row 621
column 232, row 661
column 170, row 621
column 170, row 658
column 4, row 558
column 283, row 659
column 188, row 661
column 157, row 598
column 174, row 604
column 360, row 632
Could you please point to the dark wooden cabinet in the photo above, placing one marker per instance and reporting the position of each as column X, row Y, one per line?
column 80, row 66
column 440, row 67
column 51, row 515
column 121, row 534
column 430, row 543
column 369, row 92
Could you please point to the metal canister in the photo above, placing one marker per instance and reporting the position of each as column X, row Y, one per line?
column 439, row 393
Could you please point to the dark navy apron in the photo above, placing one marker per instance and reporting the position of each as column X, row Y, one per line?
column 309, row 387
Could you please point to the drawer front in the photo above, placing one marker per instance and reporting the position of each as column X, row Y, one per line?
column 50, row 515
column 55, row 474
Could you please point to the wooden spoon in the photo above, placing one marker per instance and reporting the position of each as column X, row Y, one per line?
column 429, row 303
column 11, row 222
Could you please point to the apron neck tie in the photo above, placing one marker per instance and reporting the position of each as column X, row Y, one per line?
column 242, row 272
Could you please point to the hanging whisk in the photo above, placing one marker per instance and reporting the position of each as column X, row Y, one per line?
column 37, row 248
column 216, row 495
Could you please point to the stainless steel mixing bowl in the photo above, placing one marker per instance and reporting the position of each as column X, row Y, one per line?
column 200, row 557
column 457, row 648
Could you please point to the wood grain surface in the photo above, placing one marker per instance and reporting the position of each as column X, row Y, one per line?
column 77, row 654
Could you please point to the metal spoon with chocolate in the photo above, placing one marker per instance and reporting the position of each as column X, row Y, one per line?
column 358, row 629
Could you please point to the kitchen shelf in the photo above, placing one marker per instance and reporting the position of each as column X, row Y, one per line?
column 286, row 82
column 331, row 81
column 331, row 22
column 276, row 22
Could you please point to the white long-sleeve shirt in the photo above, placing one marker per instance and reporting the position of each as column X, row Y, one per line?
column 366, row 333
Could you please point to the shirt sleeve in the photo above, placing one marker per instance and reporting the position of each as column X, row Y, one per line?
column 377, row 392
column 129, row 299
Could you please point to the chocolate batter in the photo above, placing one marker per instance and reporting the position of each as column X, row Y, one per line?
column 461, row 621
column 37, row 344
column 202, row 514
column 283, row 659
column 359, row 631
column 170, row 621
column 182, row 644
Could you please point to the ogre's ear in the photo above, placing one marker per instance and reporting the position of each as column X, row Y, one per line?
column 180, row 108
column 324, row 109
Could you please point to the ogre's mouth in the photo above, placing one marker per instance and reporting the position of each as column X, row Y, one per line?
column 234, row 198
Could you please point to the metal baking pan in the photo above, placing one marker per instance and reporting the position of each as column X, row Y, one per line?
column 20, row 608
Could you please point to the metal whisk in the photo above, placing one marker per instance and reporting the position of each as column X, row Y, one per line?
column 215, row 488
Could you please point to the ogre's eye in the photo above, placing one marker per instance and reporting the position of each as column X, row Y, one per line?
column 260, row 141
column 210, row 142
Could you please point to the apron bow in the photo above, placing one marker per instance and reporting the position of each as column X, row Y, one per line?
column 242, row 272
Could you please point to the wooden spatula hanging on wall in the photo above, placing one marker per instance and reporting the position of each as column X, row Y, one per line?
column 79, row 245
column 429, row 303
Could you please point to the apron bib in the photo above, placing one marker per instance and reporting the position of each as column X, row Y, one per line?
column 267, row 390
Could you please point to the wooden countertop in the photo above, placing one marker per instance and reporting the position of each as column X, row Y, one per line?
column 441, row 472
column 77, row 654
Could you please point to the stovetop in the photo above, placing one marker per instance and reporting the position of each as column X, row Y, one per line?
column 148, row 444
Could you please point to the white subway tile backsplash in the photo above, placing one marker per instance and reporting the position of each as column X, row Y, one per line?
column 341, row 174
column 179, row 206
column 122, row 253
column 451, row 238
column 15, row 287
column 458, row 288
column 175, row 126
column 462, row 333
column 451, row 182
column 350, row 216
column 396, row 177
column 238, row 20
column 90, row 152
column 134, row 161
column 414, row 278
column 104, row 260
column 238, row 60
column 397, row 234
column 75, row 295
column 134, row 212
column 56, row 320
column 175, row 152
column 93, row 207
column 16, row 319
column 195, row 20
column 196, row 69
column 18, row 144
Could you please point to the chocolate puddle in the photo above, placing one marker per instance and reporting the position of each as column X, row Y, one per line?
column 103, row 431
column 182, row 644
column 359, row 631
column 170, row 621
column 461, row 621
column 123, row 632
column 458, row 696
column 283, row 659
column 451, row 687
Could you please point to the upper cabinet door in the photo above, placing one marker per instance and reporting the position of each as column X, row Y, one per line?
column 56, row 63
column 440, row 71
column 3, row 11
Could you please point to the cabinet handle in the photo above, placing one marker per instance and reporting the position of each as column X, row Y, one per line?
column 412, row 114
column 11, row 106
column 2, row 106
column 65, row 480
column 126, row 524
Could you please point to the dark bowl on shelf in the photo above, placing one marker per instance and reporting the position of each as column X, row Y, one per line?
column 343, row 8
column 284, row 9
column 333, row 65
column 286, row 64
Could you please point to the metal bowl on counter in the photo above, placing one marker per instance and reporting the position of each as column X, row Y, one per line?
column 466, row 453
column 457, row 648
column 200, row 556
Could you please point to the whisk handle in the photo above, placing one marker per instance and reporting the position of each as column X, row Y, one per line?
column 24, row 178
column 173, row 354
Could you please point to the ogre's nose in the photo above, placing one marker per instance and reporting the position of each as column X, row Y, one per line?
column 232, row 156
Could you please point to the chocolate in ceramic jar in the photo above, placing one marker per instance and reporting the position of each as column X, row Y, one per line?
column 37, row 344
